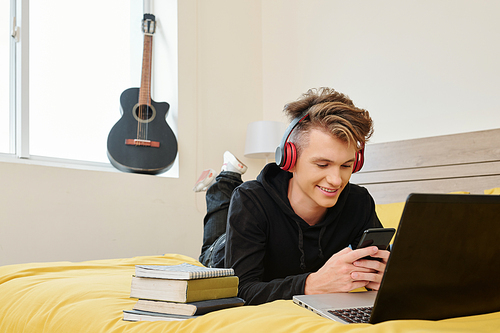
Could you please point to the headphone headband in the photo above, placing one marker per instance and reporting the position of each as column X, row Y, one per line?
column 286, row 152
column 280, row 153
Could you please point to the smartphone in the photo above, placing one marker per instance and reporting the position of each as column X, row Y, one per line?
column 379, row 237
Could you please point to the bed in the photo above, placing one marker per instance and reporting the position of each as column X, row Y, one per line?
column 90, row 296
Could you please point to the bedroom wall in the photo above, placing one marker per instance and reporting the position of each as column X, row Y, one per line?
column 241, row 61
column 422, row 68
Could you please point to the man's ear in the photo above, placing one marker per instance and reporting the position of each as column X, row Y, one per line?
column 293, row 168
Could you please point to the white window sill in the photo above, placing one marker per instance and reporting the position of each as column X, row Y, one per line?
column 66, row 163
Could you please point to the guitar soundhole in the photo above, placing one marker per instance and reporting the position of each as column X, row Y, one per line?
column 144, row 113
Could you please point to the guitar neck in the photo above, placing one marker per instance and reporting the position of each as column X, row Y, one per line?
column 148, row 27
column 145, row 91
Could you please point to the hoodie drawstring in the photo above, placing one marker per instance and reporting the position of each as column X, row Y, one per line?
column 301, row 248
column 321, row 232
column 301, row 245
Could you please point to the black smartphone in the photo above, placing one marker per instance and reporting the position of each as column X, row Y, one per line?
column 379, row 237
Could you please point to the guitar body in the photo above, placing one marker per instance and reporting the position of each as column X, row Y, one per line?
column 142, row 157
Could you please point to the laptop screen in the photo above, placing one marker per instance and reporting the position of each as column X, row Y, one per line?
column 445, row 260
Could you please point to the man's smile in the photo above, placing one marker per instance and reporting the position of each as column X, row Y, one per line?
column 327, row 189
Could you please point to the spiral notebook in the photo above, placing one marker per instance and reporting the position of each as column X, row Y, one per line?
column 182, row 271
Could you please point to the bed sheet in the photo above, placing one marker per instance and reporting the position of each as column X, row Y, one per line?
column 90, row 297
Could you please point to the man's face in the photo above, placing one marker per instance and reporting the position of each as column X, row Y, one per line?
column 322, row 171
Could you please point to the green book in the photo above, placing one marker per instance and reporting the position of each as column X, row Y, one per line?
column 184, row 291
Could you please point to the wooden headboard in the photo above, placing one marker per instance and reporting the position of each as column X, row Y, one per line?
column 458, row 162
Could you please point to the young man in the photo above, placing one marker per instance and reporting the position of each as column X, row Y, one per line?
column 288, row 232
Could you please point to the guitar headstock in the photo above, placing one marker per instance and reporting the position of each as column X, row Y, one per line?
column 148, row 24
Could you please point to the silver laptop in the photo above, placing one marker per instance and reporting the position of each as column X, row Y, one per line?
column 446, row 247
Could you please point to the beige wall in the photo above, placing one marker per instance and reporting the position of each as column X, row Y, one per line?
column 241, row 61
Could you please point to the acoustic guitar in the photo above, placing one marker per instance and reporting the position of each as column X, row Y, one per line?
column 141, row 141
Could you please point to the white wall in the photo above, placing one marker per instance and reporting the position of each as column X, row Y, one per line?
column 421, row 67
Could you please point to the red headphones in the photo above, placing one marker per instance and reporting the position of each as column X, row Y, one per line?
column 286, row 153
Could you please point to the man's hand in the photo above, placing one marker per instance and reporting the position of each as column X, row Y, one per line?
column 373, row 278
column 346, row 270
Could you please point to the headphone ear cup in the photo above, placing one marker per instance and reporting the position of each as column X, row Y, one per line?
column 290, row 156
column 279, row 156
column 359, row 160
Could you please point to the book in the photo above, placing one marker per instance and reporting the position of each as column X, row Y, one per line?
column 136, row 315
column 184, row 291
column 188, row 309
column 183, row 271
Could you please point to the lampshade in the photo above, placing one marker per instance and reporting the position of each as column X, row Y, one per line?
column 262, row 138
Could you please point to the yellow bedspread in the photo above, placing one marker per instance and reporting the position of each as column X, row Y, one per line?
column 90, row 297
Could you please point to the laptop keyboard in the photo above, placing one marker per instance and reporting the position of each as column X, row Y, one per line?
column 353, row 315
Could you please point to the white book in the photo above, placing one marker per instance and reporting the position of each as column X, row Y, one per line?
column 135, row 315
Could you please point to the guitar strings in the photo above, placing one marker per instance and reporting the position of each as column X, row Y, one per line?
column 148, row 107
column 145, row 92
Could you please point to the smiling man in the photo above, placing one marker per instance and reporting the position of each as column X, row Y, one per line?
column 289, row 231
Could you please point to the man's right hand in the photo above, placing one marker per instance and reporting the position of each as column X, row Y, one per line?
column 344, row 271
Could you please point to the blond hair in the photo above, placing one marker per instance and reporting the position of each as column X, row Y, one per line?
column 333, row 112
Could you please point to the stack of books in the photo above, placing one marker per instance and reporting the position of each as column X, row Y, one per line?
column 181, row 292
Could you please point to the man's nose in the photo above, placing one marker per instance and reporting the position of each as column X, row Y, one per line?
column 334, row 177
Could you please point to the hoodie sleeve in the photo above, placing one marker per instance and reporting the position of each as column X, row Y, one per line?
column 245, row 253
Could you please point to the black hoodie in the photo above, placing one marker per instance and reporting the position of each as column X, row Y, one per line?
column 272, row 250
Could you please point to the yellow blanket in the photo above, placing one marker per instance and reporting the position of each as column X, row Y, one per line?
column 90, row 297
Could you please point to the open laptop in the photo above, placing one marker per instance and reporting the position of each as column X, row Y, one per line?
column 445, row 262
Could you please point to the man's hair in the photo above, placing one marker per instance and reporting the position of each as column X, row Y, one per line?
column 332, row 112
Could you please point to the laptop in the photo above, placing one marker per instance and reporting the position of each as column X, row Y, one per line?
column 444, row 263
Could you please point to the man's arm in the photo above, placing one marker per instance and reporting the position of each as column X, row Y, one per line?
column 245, row 253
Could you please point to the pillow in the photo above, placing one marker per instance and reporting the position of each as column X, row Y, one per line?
column 390, row 214
column 495, row 190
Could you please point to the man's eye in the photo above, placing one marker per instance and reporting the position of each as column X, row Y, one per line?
column 346, row 165
column 321, row 165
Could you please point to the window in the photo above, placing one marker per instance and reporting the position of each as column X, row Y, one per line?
column 82, row 56
column 79, row 65
column 5, row 27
